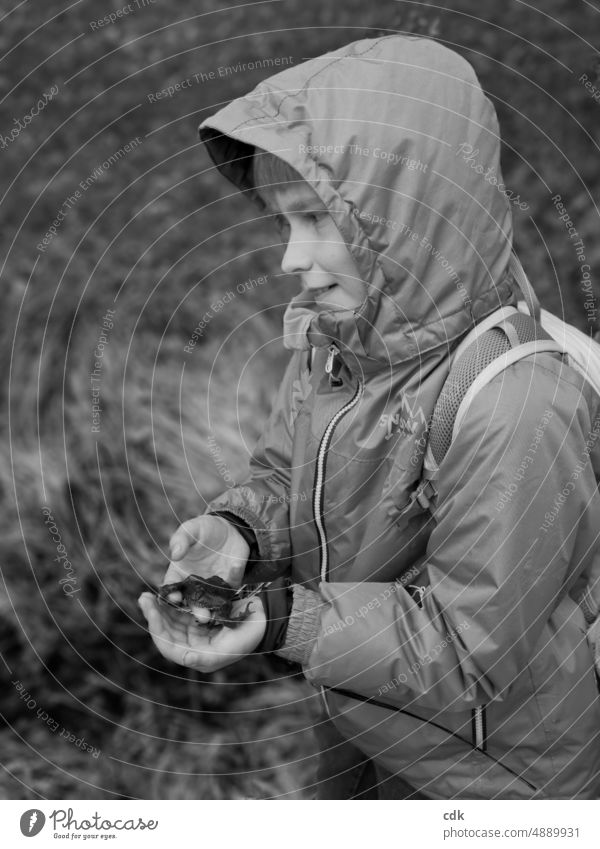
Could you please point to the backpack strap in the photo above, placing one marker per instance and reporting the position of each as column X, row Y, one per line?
column 480, row 328
column 502, row 338
column 516, row 353
column 477, row 360
column 518, row 273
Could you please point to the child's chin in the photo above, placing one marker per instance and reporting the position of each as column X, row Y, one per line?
column 333, row 303
column 337, row 299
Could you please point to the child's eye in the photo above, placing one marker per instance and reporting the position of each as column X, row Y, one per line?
column 282, row 224
column 315, row 217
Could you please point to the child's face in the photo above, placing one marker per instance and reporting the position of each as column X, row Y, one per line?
column 315, row 248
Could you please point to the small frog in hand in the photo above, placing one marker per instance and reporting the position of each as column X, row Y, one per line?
column 207, row 547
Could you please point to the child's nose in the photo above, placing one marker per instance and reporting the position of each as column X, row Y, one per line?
column 297, row 256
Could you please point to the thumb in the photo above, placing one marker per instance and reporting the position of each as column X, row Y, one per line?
column 146, row 603
column 186, row 535
column 178, row 545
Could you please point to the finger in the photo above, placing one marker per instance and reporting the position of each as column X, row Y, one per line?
column 181, row 624
column 176, row 624
column 170, row 633
column 210, row 649
column 177, row 621
column 145, row 603
column 186, row 535
column 202, row 615
column 154, row 617
column 174, row 597
column 169, row 636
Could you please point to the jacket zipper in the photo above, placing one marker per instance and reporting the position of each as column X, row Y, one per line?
column 333, row 352
column 319, row 487
column 478, row 720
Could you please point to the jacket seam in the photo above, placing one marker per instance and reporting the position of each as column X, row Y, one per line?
column 414, row 328
column 563, row 378
column 361, row 772
column 481, row 297
column 452, row 734
column 276, row 115
column 535, row 365
column 549, row 737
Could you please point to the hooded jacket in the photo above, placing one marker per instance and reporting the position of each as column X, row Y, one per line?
column 477, row 683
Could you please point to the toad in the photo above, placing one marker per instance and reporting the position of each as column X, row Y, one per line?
column 197, row 595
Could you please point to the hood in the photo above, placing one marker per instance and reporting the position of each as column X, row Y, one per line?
column 399, row 141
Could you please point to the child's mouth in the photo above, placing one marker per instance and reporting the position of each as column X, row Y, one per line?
column 323, row 290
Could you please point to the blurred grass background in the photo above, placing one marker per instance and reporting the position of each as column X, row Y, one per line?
column 157, row 238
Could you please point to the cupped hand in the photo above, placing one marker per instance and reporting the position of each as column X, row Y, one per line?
column 206, row 546
column 179, row 638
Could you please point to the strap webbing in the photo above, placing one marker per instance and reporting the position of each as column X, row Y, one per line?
column 522, row 281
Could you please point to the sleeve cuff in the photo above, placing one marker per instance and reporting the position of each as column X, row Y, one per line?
column 277, row 602
column 257, row 569
column 244, row 529
column 303, row 625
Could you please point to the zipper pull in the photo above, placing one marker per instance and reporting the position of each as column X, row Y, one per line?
column 333, row 352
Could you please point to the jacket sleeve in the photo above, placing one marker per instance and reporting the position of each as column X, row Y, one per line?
column 262, row 502
column 517, row 496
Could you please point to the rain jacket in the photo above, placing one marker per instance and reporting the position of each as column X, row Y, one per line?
column 478, row 682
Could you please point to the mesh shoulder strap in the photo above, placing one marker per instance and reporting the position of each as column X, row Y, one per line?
column 504, row 338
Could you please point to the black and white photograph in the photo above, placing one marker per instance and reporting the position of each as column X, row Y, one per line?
column 301, row 417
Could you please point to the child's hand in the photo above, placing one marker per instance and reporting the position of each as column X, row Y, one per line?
column 206, row 546
column 180, row 639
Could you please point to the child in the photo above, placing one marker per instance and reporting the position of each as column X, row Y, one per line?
column 381, row 163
